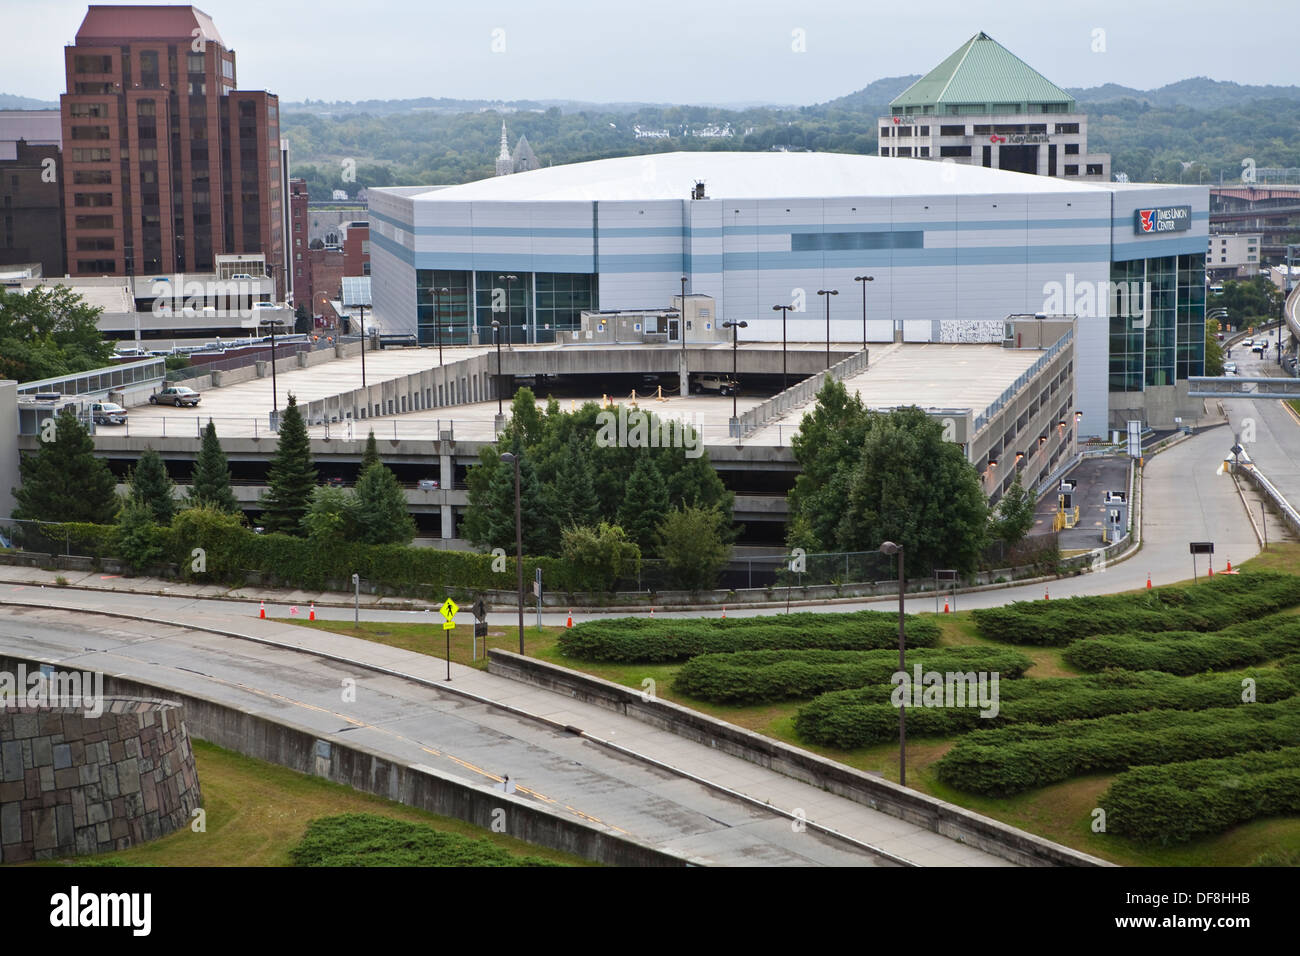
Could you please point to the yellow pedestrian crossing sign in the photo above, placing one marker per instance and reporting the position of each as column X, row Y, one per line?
column 448, row 611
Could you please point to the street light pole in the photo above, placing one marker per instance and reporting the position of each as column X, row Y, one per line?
column 735, row 334
column 828, row 293
column 437, row 318
column 496, row 337
column 681, row 322
column 888, row 547
column 513, row 457
column 510, row 328
column 864, row 280
column 363, row 358
column 785, row 376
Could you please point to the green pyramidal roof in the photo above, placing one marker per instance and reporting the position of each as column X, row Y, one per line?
column 984, row 73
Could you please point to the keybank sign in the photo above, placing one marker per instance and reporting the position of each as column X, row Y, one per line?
column 1162, row 219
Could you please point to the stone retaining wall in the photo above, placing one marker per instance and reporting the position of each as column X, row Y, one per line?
column 73, row 784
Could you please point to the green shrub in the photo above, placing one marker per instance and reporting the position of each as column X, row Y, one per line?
column 1189, row 652
column 366, row 839
column 1178, row 802
column 858, row 718
column 756, row 677
column 1215, row 604
column 1025, row 756
column 676, row 639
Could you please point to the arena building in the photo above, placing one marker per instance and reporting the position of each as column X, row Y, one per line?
column 952, row 250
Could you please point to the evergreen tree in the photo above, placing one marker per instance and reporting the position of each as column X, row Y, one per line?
column 573, row 495
column 211, row 480
column 138, row 539
column 1015, row 514
column 645, row 502
column 151, row 487
column 64, row 481
column 291, row 478
column 693, row 546
column 381, row 512
column 371, row 455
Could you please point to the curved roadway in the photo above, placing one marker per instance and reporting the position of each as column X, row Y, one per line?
column 415, row 721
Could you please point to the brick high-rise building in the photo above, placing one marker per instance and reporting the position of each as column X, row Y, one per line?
column 166, row 163
column 299, row 242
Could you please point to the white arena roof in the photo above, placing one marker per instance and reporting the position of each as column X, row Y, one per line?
column 747, row 176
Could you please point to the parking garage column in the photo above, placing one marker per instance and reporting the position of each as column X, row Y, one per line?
column 446, row 482
column 683, row 376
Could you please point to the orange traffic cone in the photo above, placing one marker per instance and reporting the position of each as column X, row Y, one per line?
column 652, row 610
column 262, row 611
column 1229, row 566
column 724, row 612
column 1047, row 594
column 945, row 606
column 311, row 615
column 570, row 621
column 1211, row 570
column 1148, row 580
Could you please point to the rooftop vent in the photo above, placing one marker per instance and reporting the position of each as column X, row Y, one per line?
column 698, row 191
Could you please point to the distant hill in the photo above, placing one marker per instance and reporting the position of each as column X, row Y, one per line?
column 8, row 101
column 873, row 97
column 1199, row 92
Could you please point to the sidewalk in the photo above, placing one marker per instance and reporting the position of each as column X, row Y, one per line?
column 756, row 784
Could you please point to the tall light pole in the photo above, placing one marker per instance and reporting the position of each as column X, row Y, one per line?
column 437, row 318
column 496, row 337
column 785, row 376
column 510, row 328
column 275, row 400
column 864, row 280
column 682, row 322
column 735, row 334
column 888, row 547
column 828, row 293
column 513, row 458
column 363, row 358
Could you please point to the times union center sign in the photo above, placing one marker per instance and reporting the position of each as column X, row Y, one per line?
column 1162, row 219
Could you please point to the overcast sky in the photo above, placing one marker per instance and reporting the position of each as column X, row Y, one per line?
column 684, row 51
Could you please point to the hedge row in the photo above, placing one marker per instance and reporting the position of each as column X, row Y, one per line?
column 676, row 639
column 1215, row 604
column 1025, row 756
column 1178, row 802
column 1189, row 652
column 756, row 677
column 230, row 550
column 858, row 718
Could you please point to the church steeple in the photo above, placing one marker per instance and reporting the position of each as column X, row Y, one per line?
column 505, row 165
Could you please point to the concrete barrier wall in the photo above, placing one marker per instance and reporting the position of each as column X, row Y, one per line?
column 780, row 404
column 281, row 742
column 879, row 794
column 472, row 380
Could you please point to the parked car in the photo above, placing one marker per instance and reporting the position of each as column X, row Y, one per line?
column 1248, row 342
column 722, row 384
column 108, row 413
column 177, row 395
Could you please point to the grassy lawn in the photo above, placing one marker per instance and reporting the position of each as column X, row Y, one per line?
column 258, row 812
column 1061, row 812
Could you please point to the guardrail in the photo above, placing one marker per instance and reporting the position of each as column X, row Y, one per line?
column 1025, row 377
column 796, row 395
column 1269, row 491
